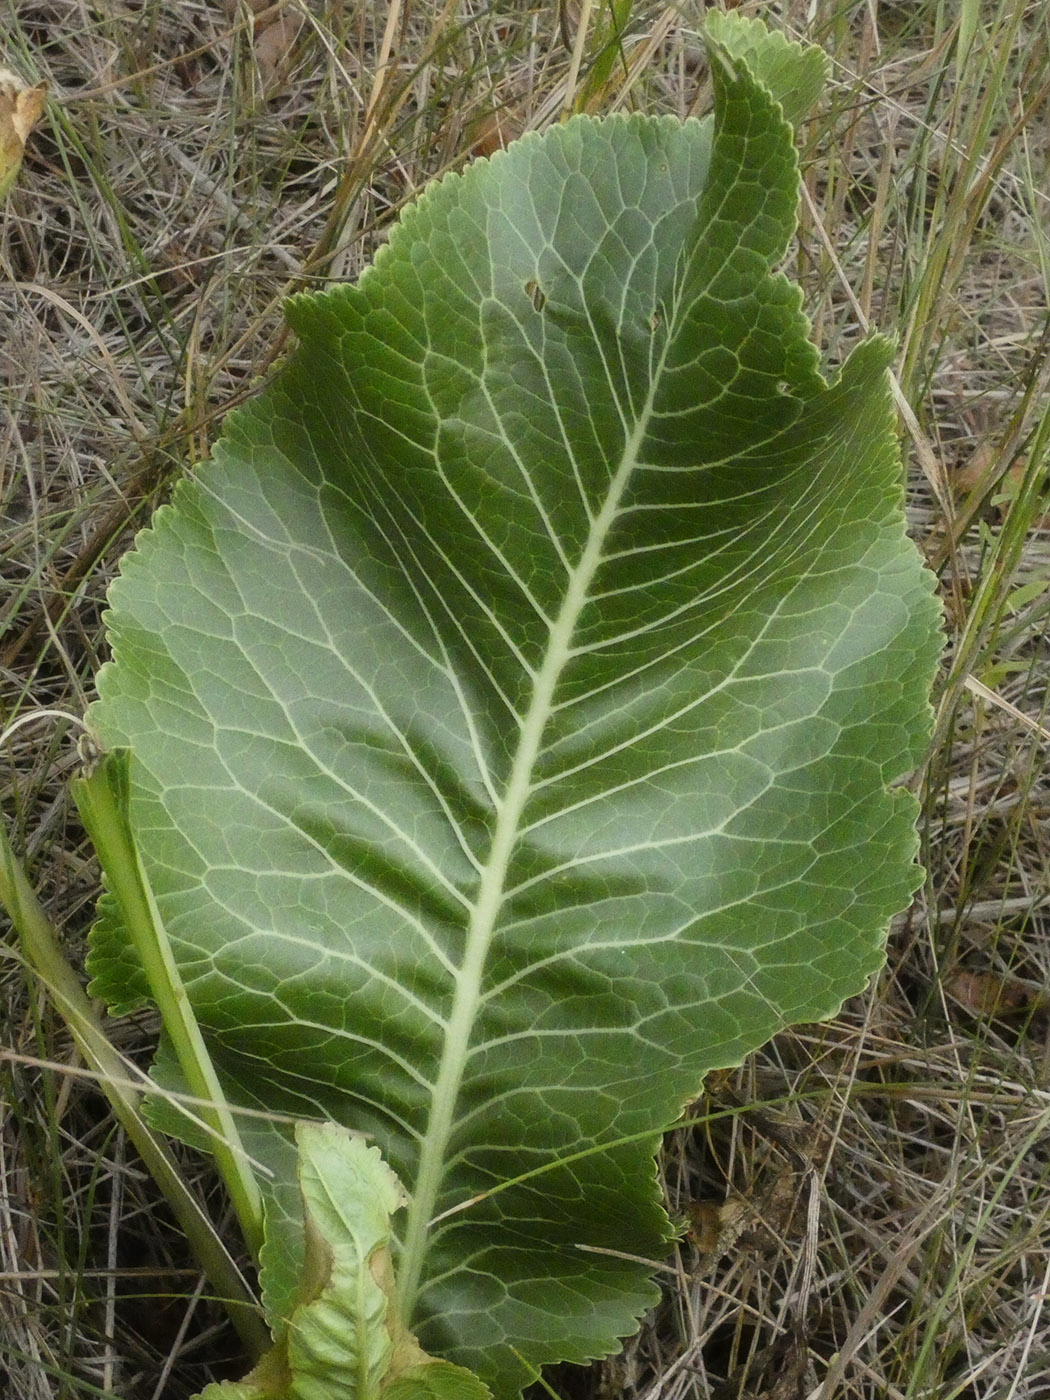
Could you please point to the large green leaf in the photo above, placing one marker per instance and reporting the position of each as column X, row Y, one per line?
column 515, row 699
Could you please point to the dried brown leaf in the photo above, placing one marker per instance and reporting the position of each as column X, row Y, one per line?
column 992, row 993
column 275, row 50
column 20, row 110
column 976, row 472
column 491, row 132
column 748, row 1222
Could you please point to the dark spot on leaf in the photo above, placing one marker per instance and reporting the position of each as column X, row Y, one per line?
column 536, row 295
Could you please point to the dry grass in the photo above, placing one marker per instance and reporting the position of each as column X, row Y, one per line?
column 869, row 1200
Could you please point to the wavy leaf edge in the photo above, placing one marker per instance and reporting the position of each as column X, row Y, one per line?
column 596, row 1297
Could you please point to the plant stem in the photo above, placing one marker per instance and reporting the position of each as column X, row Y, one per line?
column 102, row 798
column 43, row 953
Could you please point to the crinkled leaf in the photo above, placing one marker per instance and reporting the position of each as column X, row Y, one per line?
column 516, row 697
column 343, row 1339
column 337, row 1342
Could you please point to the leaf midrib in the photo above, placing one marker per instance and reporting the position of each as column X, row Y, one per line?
column 466, row 1001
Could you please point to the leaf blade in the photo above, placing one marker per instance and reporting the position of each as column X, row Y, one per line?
column 518, row 655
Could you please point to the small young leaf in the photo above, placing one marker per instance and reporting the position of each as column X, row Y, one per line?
column 342, row 1339
column 337, row 1341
